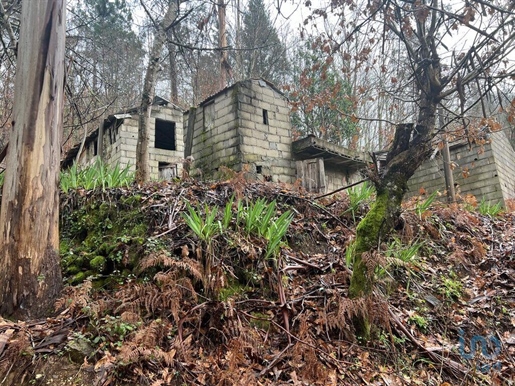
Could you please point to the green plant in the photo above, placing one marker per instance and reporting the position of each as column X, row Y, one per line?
column 488, row 209
column 349, row 255
column 358, row 196
column 259, row 219
column 451, row 287
column 418, row 320
column 423, row 206
column 402, row 253
column 95, row 176
column 204, row 228
column 275, row 233
column 227, row 214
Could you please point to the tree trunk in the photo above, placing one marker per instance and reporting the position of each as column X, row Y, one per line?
column 222, row 44
column 145, row 109
column 172, row 62
column 30, row 274
column 407, row 153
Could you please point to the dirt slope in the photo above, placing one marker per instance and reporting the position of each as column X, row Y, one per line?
column 161, row 306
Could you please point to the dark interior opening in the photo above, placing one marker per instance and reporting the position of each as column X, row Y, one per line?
column 265, row 117
column 165, row 135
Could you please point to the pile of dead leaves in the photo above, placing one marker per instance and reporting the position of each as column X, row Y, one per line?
column 444, row 303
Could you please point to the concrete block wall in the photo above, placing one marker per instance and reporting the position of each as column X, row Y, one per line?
column 504, row 156
column 123, row 150
column 216, row 144
column 336, row 178
column 162, row 155
column 238, row 135
column 265, row 146
column 475, row 173
column 112, row 154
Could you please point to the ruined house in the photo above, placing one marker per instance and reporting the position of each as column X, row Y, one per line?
column 247, row 126
column 485, row 170
column 115, row 141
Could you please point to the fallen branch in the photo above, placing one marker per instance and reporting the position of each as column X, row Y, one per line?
column 340, row 189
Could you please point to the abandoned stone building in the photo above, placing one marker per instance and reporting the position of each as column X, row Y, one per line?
column 248, row 125
column 245, row 126
column 115, row 142
column 486, row 171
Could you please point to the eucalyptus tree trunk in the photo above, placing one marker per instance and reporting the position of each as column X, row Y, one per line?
column 222, row 44
column 30, row 274
column 145, row 108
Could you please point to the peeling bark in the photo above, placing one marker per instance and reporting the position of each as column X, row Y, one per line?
column 30, row 274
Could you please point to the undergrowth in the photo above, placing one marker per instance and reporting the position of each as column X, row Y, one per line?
column 98, row 175
column 202, row 303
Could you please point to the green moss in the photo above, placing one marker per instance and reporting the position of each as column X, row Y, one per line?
column 234, row 289
column 78, row 278
column 98, row 263
column 96, row 235
column 367, row 236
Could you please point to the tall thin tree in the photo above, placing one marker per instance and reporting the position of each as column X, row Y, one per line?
column 30, row 274
column 145, row 108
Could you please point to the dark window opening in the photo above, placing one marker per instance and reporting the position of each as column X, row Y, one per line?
column 259, row 169
column 265, row 117
column 165, row 135
column 95, row 147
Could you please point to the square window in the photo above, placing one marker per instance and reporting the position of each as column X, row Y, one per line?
column 165, row 135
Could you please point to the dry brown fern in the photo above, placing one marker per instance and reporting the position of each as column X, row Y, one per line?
column 149, row 298
column 77, row 298
column 184, row 265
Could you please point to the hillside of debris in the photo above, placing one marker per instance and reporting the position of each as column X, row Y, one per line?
column 234, row 282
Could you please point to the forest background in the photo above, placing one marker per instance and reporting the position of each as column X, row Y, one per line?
column 350, row 93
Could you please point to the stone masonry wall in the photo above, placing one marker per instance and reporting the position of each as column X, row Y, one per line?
column 265, row 138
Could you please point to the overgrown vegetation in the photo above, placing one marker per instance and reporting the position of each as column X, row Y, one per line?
column 98, row 175
column 488, row 209
column 153, row 305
